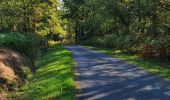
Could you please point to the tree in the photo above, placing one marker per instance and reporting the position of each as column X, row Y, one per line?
column 30, row 16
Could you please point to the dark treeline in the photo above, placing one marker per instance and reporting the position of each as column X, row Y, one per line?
column 139, row 26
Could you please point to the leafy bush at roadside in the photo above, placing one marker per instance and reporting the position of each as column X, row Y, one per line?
column 114, row 41
column 144, row 46
column 159, row 46
column 29, row 44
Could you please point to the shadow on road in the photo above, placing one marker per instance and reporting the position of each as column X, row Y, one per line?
column 105, row 78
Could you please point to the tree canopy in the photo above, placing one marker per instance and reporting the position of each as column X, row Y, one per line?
column 124, row 24
column 30, row 16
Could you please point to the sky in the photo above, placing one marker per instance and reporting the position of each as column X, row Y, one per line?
column 61, row 0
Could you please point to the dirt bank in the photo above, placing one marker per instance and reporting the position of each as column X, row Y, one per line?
column 13, row 67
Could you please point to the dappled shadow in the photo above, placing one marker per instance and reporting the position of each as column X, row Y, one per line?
column 105, row 78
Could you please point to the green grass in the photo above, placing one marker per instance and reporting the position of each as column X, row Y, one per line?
column 53, row 79
column 29, row 44
column 159, row 67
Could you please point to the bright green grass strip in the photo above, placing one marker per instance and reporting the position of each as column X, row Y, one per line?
column 161, row 68
column 53, row 80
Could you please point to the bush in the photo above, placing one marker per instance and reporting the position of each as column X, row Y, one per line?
column 146, row 46
column 114, row 41
column 159, row 46
column 29, row 44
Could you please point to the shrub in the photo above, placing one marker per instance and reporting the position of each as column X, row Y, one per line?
column 29, row 44
column 114, row 41
column 159, row 46
column 146, row 46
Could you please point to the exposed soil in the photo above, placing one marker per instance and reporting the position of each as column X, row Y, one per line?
column 11, row 70
column 3, row 96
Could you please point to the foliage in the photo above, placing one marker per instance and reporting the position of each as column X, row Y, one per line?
column 26, row 22
column 30, row 16
column 53, row 78
column 29, row 44
column 120, row 24
column 114, row 41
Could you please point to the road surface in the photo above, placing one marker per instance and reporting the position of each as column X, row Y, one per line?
column 102, row 77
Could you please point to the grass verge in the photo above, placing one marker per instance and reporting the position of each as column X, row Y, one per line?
column 53, row 79
column 159, row 67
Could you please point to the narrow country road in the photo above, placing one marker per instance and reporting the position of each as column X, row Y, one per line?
column 101, row 77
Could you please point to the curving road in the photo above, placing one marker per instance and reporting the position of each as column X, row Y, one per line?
column 101, row 77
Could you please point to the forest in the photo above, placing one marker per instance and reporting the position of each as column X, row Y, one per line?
column 25, row 23
column 139, row 26
column 34, row 33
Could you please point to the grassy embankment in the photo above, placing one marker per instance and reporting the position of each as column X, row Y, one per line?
column 53, row 79
column 159, row 67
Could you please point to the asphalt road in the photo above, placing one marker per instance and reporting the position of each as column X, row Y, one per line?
column 102, row 77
